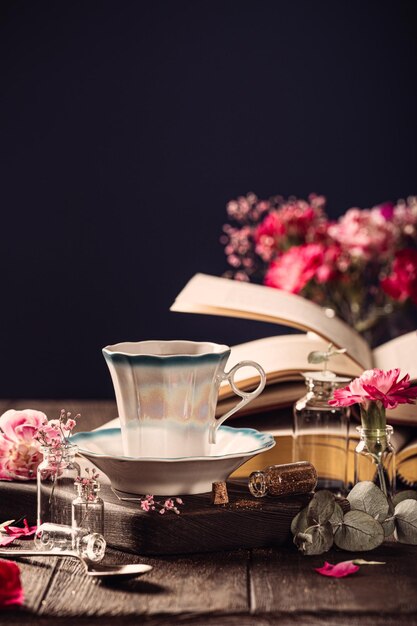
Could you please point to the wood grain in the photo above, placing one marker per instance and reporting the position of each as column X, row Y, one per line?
column 201, row 583
column 284, row 581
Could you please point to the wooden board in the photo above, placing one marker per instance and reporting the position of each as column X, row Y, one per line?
column 245, row 522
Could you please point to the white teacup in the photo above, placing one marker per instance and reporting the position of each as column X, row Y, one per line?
column 166, row 394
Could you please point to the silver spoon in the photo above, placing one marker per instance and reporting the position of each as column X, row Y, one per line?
column 96, row 570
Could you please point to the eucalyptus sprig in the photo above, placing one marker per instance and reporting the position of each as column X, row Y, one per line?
column 371, row 518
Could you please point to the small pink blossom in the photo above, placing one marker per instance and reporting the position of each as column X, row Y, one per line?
column 11, row 591
column 376, row 386
column 345, row 568
column 148, row 503
column 69, row 424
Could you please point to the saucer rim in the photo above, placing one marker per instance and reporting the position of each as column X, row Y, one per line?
column 267, row 440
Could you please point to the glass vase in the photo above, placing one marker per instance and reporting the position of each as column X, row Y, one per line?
column 375, row 458
column 55, row 484
column 321, row 432
column 88, row 507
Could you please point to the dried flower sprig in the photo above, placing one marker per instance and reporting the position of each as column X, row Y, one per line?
column 148, row 503
column 89, row 483
column 56, row 432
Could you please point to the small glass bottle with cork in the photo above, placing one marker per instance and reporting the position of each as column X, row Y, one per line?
column 320, row 431
column 88, row 507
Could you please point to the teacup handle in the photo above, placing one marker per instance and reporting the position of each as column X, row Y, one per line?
column 246, row 396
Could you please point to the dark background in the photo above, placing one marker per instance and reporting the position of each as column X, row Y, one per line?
column 126, row 126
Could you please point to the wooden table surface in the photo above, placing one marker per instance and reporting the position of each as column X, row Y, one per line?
column 245, row 587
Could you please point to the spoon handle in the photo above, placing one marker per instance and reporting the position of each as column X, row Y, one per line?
column 17, row 553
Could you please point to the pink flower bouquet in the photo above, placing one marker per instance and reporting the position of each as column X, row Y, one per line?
column 364, row 265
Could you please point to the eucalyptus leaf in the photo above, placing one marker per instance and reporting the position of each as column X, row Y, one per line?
column 321, row 507
column 406, row 522
column 337, row 516
column 404, row 495
column 316, row 539
column 389, row 524
column 299, row 524
column 359, row 532
column 366, row 496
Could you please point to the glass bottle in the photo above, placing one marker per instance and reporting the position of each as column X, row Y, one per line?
column 63, row 538
column 88, row 507
column 55, row 484
column 375, row 458
column 321, row 431
column 283, row 480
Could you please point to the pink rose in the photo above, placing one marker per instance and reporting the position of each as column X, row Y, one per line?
column 19, row 451
column 376, row 385
column 11, row 592
column 401, row 284
column 23, row 425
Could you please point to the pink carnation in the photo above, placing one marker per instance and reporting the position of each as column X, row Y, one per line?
column 401, row 284
column 295, row 220
column 19, row 451
column 376, row 385
column 364, row 233
column 292, row 270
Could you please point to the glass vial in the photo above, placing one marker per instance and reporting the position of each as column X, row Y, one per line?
column 321, row 432
column 88, row 507
column 283, row 480
column 55, row 484
column 375, row 458
column 63, row 538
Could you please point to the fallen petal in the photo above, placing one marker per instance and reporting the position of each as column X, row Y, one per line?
column 345, row 568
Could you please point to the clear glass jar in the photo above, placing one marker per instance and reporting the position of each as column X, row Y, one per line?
column 321, row 431
column 88, row 507
column 63, row 538
column 375, row 458
column 55, row 484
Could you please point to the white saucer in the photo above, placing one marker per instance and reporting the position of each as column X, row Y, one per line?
column 173, row 476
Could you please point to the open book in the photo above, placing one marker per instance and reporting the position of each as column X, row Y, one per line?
column 284, row 357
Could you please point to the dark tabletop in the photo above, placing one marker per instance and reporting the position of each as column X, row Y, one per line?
column 245, row 587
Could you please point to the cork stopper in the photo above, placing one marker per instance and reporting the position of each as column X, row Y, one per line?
column 219, row 493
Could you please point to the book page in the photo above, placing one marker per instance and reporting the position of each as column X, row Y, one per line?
column 283, row 358
column 400, row 352
column 222, row 296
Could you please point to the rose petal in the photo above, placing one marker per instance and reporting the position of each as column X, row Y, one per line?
column 345, row 568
